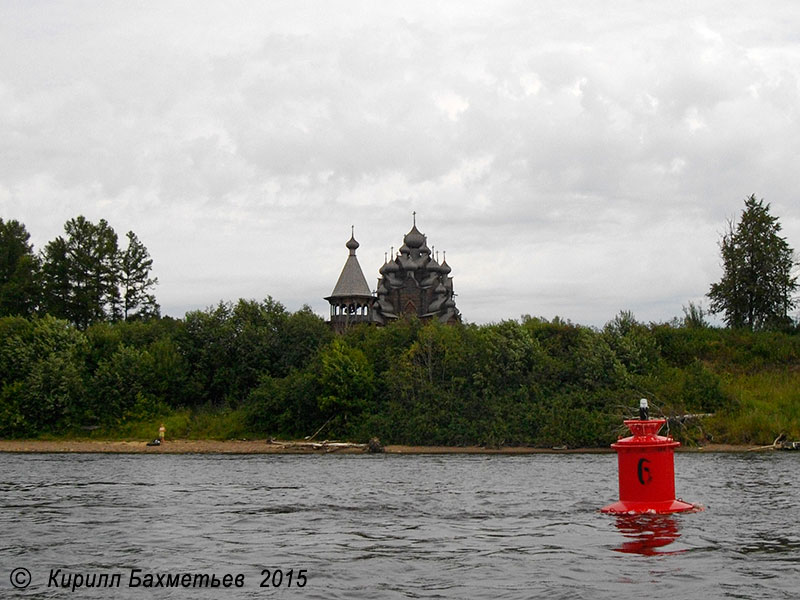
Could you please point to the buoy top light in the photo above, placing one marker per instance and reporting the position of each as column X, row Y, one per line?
column 643, row 411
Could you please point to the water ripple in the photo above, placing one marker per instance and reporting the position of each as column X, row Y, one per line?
column 405, row 526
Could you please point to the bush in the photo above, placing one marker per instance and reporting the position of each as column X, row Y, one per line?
column 122, row 386
column 286, row 406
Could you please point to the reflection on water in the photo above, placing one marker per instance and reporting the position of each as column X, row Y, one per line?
column 647, row 534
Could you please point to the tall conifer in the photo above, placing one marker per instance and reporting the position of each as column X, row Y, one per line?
column 135, row 282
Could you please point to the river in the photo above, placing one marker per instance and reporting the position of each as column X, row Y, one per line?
column 389, row 526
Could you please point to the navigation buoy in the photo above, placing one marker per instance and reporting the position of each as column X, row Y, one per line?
column 646, row 465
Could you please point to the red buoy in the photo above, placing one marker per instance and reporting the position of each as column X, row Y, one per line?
column 646, row 470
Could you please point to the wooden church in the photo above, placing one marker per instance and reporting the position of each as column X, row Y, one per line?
column 412, row 283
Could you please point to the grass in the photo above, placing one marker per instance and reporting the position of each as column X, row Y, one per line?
column 764, row 405
column 205, row 423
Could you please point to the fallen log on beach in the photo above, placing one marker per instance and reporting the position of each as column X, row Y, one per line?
column 325, row 446
column 780, row 443
column 373, row 446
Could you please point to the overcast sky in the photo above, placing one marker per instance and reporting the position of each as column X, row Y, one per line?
column 572, row 158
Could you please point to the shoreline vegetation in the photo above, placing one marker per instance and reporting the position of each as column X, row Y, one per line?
column 253, row 370
column 77, row 446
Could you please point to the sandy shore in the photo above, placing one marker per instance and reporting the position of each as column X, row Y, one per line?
column 264, row 447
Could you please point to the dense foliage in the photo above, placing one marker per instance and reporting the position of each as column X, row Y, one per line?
column 255, row 369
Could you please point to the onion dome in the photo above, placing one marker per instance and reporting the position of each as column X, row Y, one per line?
column 352, row 244
column 450, row 303
column 404, row 249
column 444, row 268
column 414, row 239
column 382, row 289
column 389, row 267
column 440, row 289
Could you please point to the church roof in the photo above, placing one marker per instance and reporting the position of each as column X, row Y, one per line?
column 352, row 282
column 414, row 239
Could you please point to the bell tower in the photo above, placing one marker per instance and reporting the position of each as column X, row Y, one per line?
column 351, row 299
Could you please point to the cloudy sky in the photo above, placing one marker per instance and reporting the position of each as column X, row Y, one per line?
column 573, row 159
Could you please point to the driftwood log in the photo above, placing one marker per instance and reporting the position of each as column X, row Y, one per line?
column 780, row 443
column 374, row 445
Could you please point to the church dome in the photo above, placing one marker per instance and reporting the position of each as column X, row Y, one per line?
column 444, row 268
column 414, row 239
column 352, row 244
column 389, row 267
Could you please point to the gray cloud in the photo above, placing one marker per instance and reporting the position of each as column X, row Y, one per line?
column 573, row 160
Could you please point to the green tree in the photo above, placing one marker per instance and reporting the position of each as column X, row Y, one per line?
column 287, row 405
column 231, row 346
column 348, row 383
column 138, row 301
column 81, row 273
column 56, row 285
column 694, row 317
column 122, row 381
column 19, row 267
column 634, row 344
column 94, row 270
column 757, row 285
column 303, row 333
column 41, row 375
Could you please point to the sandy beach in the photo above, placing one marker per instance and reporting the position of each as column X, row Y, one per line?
column 298, row 447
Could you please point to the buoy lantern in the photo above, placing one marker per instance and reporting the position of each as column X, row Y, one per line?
column 646, row 469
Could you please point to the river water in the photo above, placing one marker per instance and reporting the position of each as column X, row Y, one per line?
column 389, row 526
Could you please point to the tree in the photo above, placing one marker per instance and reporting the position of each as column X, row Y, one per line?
column 135, row 282
column 231, row 346
column 56, row 284
column 347, row 380
column 42, row 361
column 757, row 285
column 93, row 270
column 633, row 343
column 19, row 267
column 81, row 273
column 694, row 317
column 122, row 381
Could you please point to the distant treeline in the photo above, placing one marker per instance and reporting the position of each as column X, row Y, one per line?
column 255, row 369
